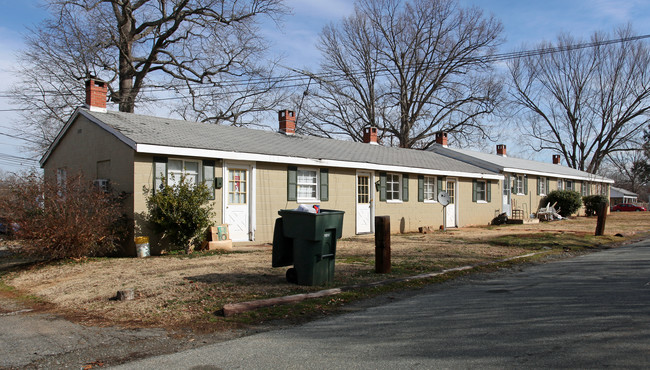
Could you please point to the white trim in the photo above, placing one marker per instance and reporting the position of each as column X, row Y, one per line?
column 252, row 211
column 371, row 194
column 456, row 199
column 435, row 190
column 252, row 205
column 308, row 200
column 485, row 186
column 557, row 175
column 253, row 157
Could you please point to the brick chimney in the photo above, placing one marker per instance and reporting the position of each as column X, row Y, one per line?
column 287, row 121
column 441, row 138
column 370, row 135
column 556, row 159
column 96, row 95
column 501, row 150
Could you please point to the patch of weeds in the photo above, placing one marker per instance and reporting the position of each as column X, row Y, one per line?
column 6, row 288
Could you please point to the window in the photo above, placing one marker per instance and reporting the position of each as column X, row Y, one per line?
column 177, row 168
column 559, row 184
column 541, row 186
column 429, row 188
column 170, row 171
column 61, row 179
column 208, row 176
column 237, row 186
column 568, row 184
column 393, row 186
column 481, row 191
column 519, row 184
column 307, row 185
column 583, row 189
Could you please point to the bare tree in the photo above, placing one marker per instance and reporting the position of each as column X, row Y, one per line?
column 584, row 102
column 410, row 68
column 143, row 48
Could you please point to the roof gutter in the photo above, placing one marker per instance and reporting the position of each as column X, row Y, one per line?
column 242, row 156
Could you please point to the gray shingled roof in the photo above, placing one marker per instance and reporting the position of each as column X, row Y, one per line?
column 183, row 134
column 494, row 162
column 619, row 192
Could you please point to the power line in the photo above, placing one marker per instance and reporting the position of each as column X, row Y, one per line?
column 301, row 78
column 20, row 138
column 15, row 157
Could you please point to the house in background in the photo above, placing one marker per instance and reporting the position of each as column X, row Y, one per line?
column 619, row 195
column 526, row 182
column 254, row 173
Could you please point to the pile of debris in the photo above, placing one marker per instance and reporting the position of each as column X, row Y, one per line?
column 549, row 213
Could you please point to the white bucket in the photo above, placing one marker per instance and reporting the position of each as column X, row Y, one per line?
column 142, row 246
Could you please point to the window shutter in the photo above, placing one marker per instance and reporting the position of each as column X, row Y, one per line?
column 440, row 187
column 382, row 186
column 324, row 184
column 420, row 188
column 474, row 197
column 488, row 190
column 405, row 187
column 208, row 176
column 292, row 183
column 526, row 184
column 548, row 183
column 159, row 173
column 539, row 184
column 513, row 188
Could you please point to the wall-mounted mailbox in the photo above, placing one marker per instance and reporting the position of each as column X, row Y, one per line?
column 218, row 182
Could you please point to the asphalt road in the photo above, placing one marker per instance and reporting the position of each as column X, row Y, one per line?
column 592, row 311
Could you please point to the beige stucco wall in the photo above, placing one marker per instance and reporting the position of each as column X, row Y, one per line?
column 85, row 144
column 82, row 147
column 143, row 176
column 478, row 213
column 272, row 196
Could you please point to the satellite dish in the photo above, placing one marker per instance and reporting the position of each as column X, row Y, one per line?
column 443, row 198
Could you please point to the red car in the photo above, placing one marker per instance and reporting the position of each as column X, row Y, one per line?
column 627, row 207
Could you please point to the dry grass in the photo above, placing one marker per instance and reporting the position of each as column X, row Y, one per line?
column 173, row 291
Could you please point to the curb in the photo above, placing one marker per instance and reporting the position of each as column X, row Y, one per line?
column 235, row 308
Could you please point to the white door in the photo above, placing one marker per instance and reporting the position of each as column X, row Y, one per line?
column 506, row 196
column 451, row 207
column 237, row 202
column 364, row 203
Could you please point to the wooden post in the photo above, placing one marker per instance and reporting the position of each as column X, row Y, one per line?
column 602, row 217
column 382, row 244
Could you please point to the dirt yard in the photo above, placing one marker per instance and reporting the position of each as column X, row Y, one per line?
column 173, row 291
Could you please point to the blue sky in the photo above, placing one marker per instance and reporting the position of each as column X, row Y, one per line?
column 525, row 23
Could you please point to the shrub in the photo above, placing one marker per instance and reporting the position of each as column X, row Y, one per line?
column 180, row 212
column 568, row 201
column 70, row 220
column 593, row 202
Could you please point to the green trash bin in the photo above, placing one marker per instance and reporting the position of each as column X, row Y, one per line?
column 308, row 241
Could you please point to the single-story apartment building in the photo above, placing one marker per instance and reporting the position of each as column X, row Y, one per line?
column 620, row 195
column 526, row 182
column 254, row 173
